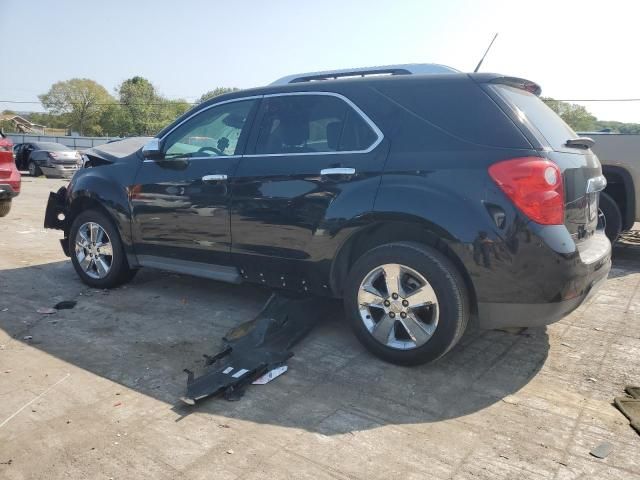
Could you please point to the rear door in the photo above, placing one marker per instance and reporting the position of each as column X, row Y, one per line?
column 314, row 161
column 580, row 167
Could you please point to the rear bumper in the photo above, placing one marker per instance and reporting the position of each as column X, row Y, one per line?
column 582, row 277
column 59, row 170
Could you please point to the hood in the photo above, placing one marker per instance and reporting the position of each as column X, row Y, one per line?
column 116, row 151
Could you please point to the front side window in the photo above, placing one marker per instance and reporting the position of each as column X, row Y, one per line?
column 212, row 133
column 302, row 124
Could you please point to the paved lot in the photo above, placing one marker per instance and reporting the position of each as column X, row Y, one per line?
column 91, row 392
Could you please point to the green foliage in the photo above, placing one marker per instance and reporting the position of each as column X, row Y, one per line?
column 216, row 92
column 81, row 99
column 49, row 120
column 140, row 110
column 576, row 116
column 617, row 127
column 579, row 118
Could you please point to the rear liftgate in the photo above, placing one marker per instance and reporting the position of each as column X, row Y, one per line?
column 257, row 350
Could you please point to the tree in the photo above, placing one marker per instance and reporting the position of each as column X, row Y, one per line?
column 576, row 116
column 618, row 127
column 81, row 99
column 216, row 92
column 140, row 109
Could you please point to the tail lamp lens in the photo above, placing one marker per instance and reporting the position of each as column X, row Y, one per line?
column 534, row 185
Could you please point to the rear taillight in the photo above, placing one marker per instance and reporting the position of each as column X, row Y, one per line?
column 535, row 187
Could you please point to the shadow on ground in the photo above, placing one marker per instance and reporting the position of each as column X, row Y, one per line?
column 143, row 335
column 626, row 252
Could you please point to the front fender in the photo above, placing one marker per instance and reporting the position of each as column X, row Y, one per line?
column 89, row 187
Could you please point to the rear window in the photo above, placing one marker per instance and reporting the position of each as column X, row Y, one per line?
column 529, row 107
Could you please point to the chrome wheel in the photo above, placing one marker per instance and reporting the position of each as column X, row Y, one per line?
column 93, row 250
column 398, row 306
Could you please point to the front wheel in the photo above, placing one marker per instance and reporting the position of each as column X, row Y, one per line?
column 406, row 302
column 96, row 251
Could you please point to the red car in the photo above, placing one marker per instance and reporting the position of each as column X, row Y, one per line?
column 9, row 175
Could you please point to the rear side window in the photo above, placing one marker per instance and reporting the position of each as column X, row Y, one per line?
column 449, row 107
column 299, row 124
column 530, row 108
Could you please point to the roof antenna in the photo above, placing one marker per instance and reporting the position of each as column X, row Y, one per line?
column 485, row 53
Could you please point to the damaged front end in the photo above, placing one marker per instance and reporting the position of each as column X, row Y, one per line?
column 55, row 216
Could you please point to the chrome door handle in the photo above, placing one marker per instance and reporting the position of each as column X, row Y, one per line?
column 214, row 178
column 337, row 171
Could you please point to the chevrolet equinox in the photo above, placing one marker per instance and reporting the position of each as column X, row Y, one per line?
column 419, row 195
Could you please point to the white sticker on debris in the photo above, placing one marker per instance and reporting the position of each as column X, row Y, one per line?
column 240, row 373
column 227, row 370
column 270, row 375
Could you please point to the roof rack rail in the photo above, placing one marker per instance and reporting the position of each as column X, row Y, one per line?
column 401, row 69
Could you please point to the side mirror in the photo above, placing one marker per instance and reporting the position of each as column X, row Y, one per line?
column 152, row 150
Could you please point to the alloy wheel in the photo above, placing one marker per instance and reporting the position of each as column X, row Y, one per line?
column 93, row 250
column 398, row 306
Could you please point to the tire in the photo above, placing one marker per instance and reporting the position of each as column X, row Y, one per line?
column 118, row 271
column 5, row 207
column 34, row 170
column 611, row 216
column 446, row 325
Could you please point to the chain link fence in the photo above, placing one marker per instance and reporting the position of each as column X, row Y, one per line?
column 77, row 143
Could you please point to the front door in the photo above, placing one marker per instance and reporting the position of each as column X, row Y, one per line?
column 314, row 160
column 181, row 207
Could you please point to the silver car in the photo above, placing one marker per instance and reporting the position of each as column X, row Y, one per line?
column 48, row 158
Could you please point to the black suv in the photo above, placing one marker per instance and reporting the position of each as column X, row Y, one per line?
column 420, row 199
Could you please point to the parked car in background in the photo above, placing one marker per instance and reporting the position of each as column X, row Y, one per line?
column 421, row 200
column 48, row 158
column 9, row 175
column 620, row 201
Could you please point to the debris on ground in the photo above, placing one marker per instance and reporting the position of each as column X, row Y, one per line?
column 46, row 310
column 270, row 375
column 65, row 305
column 256, row 350
column 630, row 406
column 4, row 310
column 27, row 337
column 602, row 451
column 230, row 452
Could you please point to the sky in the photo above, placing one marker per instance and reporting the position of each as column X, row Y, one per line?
column 573, row 49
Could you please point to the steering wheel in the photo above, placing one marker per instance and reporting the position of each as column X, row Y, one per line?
column 213, row 149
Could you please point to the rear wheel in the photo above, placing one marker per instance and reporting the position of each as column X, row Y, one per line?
column 5, row 207
column 96, row 251
column 34, row 170
column 610, row 217
column 406, row 302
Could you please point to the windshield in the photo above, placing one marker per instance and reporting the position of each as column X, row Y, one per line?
column 529, row 107
column 52, row 147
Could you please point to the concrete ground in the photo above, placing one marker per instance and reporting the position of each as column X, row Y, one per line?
column 92, row 392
